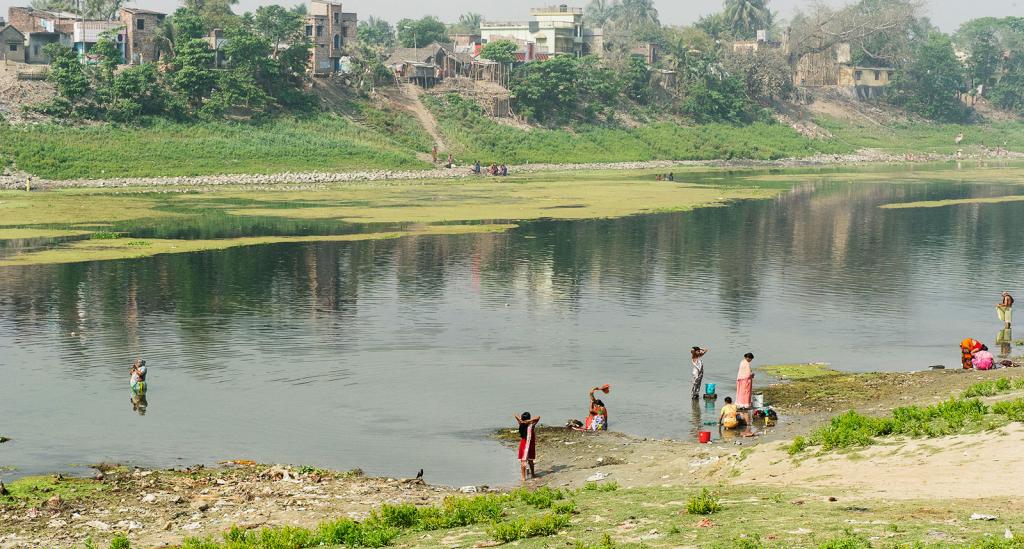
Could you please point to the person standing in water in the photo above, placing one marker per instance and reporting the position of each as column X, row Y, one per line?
column 138, row 377
column 696, row 356
column 1005, row 309
column 744, row 382
column 527, row 443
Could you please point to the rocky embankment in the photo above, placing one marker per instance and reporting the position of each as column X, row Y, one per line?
column 306, row 180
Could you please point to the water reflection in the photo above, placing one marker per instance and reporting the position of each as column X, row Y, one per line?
column 471, row 328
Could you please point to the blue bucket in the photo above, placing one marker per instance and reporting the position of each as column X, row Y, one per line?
column 709, row 388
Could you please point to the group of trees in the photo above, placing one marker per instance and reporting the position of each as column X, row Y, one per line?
column 995, row 59
column 265, row 58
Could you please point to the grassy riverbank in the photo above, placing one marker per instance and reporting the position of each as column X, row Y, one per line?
column 374, row 139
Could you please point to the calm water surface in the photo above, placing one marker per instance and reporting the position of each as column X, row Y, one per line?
column 397, row 355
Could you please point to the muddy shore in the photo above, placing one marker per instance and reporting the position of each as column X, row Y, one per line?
column 160, row 508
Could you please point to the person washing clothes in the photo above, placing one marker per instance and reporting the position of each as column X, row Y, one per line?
column 744, row 382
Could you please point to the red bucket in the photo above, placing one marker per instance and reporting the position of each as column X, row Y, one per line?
column 704, row 437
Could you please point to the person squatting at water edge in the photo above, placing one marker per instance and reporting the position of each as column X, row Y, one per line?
column 527, row 443
column 968, row 347
column 597, row 415
column 731, row 418
column 696, row 356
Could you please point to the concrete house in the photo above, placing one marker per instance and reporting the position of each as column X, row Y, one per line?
column 140, row 45
column 41, row 28
column 12, row 44
column 331, row 31
column 556, row 30
column 833, row 68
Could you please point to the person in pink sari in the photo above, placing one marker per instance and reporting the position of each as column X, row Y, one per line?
column 744, row 382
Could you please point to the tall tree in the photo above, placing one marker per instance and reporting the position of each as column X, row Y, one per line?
column 374, row 31
column 422, row 32
column 631, row 15
column 600, row 12
column 746, row 17
column 279, row 26
column 931, row 84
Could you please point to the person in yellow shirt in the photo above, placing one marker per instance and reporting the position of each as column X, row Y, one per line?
column 731, row 418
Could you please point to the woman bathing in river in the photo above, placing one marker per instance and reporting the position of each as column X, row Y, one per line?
column 138, row 377
column 597, row 420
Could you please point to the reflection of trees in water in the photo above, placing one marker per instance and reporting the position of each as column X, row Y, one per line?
column 820, row 239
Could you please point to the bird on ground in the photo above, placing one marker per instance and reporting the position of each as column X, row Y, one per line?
column 419, row 475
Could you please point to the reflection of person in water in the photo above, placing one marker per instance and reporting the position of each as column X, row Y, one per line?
column 139, row 403
column 1004, row 339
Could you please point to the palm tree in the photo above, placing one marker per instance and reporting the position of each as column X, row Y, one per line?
column 746, row 17
column 470, row 22
column 633, row 14
column 600, row 12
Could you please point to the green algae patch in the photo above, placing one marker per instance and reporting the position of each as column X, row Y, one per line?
column 24, row 234
column 74, row 207
column 131, row 248
column 440, row 202
column 951, row 202
column 798, row 371
column 35, row 491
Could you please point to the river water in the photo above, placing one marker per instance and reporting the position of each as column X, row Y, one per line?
column 398, row 355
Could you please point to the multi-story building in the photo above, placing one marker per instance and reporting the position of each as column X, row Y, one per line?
column 551, row 31
column 331, row 31
column 140, row 44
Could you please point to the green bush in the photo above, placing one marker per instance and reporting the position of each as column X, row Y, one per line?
column 598, row 487
column 541, row 498
column 1012, row 409
column 938, row 420
column 993, row 387
column 848, row 541
column 798, row 445
column 120, row 541
column 544, row 525
column 399, row 516
column 850, row 429
column 704, row 503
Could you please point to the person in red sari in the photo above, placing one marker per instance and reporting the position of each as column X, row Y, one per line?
column 527, row 443
column 744, row 382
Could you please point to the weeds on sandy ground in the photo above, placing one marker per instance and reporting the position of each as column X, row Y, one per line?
column 704, row 503
column 957, row 415
column 391, row 521
column 606, row 487
column 994, row 387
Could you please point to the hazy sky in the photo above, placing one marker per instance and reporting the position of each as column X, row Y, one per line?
column 947, row 14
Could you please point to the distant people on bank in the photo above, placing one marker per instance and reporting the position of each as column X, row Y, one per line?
column 983, row 359
column 476, row 168
column 731, row 418
column 968, row 347
column 527, row 443
column 697, row 362
column 451, row 162
column 433, row 154
column 504, row 170
column 744, row 382
column 671, row 176
column 138, row 377
column 1005, row 309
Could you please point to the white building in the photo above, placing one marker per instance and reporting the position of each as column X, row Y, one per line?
column 550, row 31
